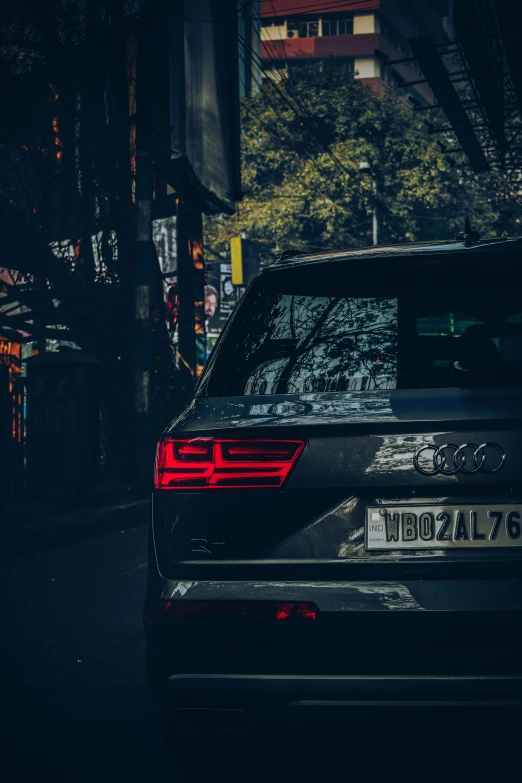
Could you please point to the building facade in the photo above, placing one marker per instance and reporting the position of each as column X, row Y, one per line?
column 364, row 33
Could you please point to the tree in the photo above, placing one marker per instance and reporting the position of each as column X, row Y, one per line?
column 303, row 141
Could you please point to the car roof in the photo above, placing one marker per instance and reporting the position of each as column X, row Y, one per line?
column 420, row 249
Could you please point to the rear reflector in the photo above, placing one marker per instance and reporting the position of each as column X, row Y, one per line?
column 210, row 463
column 296, row 612
column 229, row 611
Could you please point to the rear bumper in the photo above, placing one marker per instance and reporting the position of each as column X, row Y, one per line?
column 406, row 645
column 237, row 701
column 360, row 689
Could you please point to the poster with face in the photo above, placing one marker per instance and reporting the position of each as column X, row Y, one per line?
column 228, row 293
column 211, row 303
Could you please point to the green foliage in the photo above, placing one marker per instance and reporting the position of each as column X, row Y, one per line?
column 303, row 141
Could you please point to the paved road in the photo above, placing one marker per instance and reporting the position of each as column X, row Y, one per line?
column 77, row 703
column 74, row 705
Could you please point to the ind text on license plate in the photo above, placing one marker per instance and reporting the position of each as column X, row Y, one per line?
column 435, row 527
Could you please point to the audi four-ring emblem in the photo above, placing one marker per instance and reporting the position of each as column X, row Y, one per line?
column 450, row 459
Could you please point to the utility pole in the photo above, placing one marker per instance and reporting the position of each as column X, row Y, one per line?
column 191, row 288
column 365, row 168
column 144, row 258
column 375, row 218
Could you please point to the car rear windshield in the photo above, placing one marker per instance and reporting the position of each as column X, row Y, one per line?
column 294, row 334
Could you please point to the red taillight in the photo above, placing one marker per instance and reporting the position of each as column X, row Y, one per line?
column 213, row 463
column 296, row 612
column 229, row 611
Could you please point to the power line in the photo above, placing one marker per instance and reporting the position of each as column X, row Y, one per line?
column 275, row 108
column 322, row 174
column 316, row 135
column 283, row 47
column 288, row 82
column 281, row 240
column 303, row 119
column 297, row 114
column 330, row 6
column 280, row 36
column 263, row 94
column 269, row 104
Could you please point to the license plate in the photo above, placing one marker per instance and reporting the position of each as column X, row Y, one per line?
column 443, row 527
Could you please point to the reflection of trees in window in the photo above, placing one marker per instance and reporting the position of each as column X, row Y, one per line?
column 317, row 344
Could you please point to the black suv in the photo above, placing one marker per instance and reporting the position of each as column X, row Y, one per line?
column 337, row 513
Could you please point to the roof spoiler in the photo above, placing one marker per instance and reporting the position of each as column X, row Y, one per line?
column 285, row 255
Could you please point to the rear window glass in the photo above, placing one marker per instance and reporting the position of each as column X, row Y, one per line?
column 297, row 342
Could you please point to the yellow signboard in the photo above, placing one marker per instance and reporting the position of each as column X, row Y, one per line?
column 236, row 255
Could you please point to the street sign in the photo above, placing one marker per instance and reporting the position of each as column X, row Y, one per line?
column 236, row 256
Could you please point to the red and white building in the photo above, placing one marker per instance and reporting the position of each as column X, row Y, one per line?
column 357, row 31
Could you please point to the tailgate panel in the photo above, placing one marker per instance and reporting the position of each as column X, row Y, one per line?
column 388, row 460
column 360, row 453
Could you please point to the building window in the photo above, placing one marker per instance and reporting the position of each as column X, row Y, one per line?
column 338, row 26
column 303, row 29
